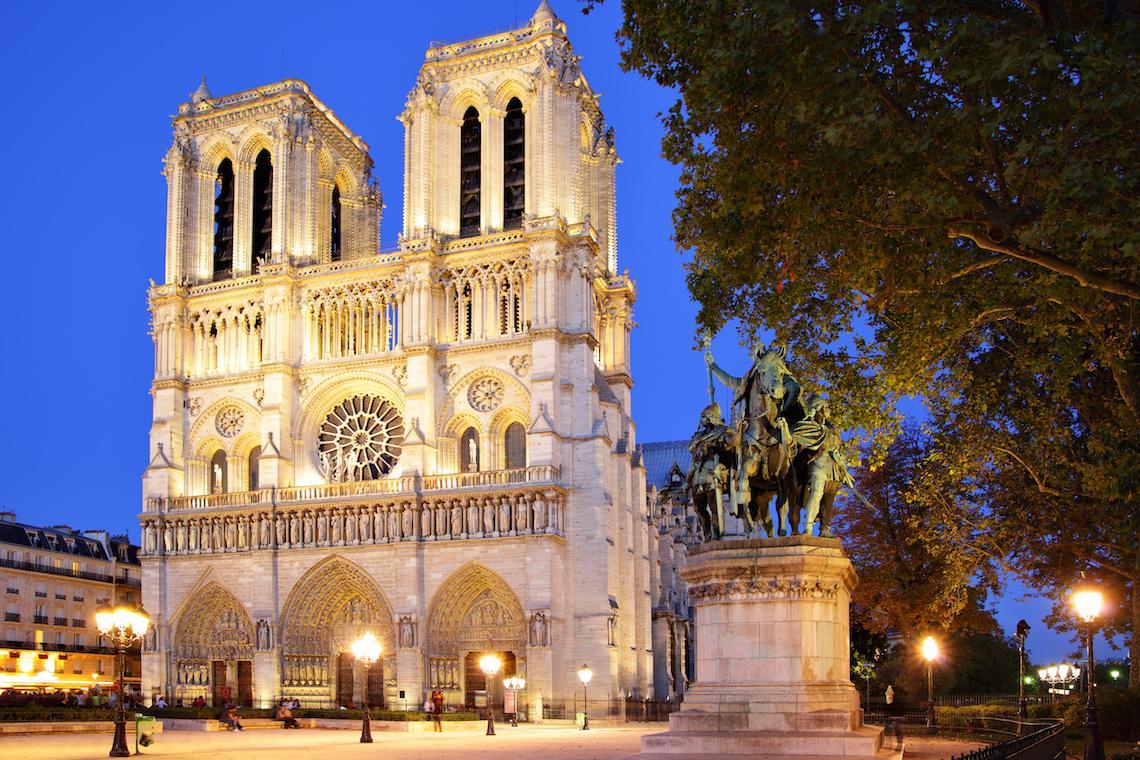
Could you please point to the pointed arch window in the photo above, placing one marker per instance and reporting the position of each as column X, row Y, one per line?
column 469, row 450
column 262, row 208
column 223, row 264
column 514, row 446
column 470, row 173
column 514, row 165
column 335, row 219
column 254, row 456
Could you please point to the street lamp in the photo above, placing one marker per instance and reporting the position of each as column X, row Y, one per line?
column 930, row 654
column 584, row 675
column 1021, row 635
column 366, row 650
column 1060, row 676
column 122, row 625
column 1088, row 603
column 515, row 684
column 489, row 664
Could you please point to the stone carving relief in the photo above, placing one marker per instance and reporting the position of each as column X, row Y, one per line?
column 612, row 629
column 520, row 363
column 756, row 587
column 400, row 373
column 195, row 406
column 264, row 636
column 539, row 630
column 407, row 632
column 448, row 373
column 258, row 396
column 229, row 421
column 485, row 394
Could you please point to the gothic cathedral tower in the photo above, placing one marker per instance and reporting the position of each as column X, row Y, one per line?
column 432, row 443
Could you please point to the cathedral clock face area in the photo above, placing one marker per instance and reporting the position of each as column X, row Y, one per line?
column 360, row 439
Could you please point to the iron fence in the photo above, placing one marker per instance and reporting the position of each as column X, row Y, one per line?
column 1007, row 738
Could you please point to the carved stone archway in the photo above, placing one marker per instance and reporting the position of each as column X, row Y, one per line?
column 330, row 606
column 474, row 610
column 213, row 627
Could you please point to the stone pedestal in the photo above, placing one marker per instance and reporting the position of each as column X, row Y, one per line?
column 773, row 655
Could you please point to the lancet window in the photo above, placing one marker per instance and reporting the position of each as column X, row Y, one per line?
column 223, row 263
column 352, row 320
column 514, row 446
column 514, row 165
column 470, row 174
column 262, row 208
column 225, row 340
column 335, row 225
column 485, row 301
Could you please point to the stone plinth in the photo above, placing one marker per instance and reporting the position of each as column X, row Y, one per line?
column 773, row 655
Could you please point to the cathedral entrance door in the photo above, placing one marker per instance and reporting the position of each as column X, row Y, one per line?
column 221, row 689
column 475, row 682
column 376, row 684
column 245, row 683
column 344, row 680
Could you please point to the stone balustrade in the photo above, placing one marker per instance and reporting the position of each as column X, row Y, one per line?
column 500, row 504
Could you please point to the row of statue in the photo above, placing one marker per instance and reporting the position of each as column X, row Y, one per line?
column 454, row 519
column 779, row 444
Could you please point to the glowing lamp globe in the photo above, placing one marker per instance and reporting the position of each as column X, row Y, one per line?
column 585, row 674
column 929, row 649
column 1088, row 604
column 489, row 664
column 366, row 649
column 1043, row 674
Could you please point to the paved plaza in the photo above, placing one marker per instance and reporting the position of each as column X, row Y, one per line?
column 524, row 742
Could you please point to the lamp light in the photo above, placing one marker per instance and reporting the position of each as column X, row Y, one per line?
column 366, row 650
column 489, row 664
column 1088, row 604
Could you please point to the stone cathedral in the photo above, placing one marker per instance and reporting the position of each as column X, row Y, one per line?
column 433, row 443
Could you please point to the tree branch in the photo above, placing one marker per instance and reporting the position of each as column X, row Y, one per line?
column 1045, row 260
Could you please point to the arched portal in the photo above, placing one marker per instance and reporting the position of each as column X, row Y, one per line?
column 213, row 648
column 332, row 605
column 475, row 612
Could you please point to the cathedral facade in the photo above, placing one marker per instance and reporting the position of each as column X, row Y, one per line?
column 434, row 443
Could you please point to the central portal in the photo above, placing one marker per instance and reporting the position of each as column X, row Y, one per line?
column 476, row 692
column 346, row 670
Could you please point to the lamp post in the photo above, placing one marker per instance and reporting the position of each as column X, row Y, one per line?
column 1022, row 706
column 515, row 684
column 1088, row 604
column 122, row 625
column 584, row 675
column 366, row 650
column 1060, row 676
column 930, row 654
column 489, row 664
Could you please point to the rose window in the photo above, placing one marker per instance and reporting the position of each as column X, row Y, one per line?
column 360, row 439
column 485, row 395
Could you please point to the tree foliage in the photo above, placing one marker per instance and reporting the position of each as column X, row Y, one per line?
column 932, row 199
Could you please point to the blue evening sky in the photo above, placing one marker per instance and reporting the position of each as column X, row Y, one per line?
column 91, row 87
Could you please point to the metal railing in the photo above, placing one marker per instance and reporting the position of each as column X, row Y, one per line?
column 1008, row 738
column 66, row 572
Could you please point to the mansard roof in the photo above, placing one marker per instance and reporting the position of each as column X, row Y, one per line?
column 661, row 457
column 66, row 540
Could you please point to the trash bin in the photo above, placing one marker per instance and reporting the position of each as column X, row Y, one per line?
column 144, row 731
column 579, row 719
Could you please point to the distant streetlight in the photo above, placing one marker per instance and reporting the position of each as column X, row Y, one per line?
column 366, row 650
column 1021, row 635
column 930, row 654
column 1114, row 674
column 584, row 675
column 489, row 664
column 1088, row 603
column 515, row 684
column 122, row 625
column 1060, row 676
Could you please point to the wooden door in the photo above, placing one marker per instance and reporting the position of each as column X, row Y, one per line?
column 344, row 680
column 245, row 683
column 220, row 687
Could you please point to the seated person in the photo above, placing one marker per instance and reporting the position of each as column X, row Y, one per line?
column 229, row 716
column 285, row 715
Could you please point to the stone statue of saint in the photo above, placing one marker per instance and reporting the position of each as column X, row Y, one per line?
column 425, row 521
column 441, row 519
column 308, row 529
column 231, row 534
column 504, row 515
column 393, row 524
column 488, row 517
column 364, row 522
column 151, row 540
column 217, row 485
column 217, row 538
column 521, row 525
column 282, row 535
column 322, row 527
column 351, row 465
column 168, row 538
column 472, row 455
column 472, row 518
column 180, row 537
column 539, row 514
column 243, row 532
column 265, row 528
column 407, row 632
column 456, row 519
column 337, row 527
column 409, row 522
column 327, row 466
column 349, row 528
column 192, row 537
column 539, row 636
column 205, row 535
column 294, row 529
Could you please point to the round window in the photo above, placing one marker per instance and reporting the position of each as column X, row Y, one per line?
column 360, row 439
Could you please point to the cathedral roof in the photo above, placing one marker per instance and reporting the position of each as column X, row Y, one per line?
column 661, row 457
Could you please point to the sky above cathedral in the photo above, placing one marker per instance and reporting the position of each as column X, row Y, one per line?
column 91, row 91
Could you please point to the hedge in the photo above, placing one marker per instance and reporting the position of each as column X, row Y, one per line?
column 40, row 713
column 1118, row 712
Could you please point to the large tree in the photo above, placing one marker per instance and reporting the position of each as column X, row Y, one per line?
column 935, row 199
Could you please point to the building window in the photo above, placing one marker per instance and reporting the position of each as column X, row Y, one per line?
column 470, row 175
column 334, row 229
column 253, row 457
column 218, row 475
column 514, row 444
column 262, row 208
column 469, row 451
column 514, row 165
column 224, row 221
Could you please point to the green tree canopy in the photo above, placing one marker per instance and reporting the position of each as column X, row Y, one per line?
column 936, row 199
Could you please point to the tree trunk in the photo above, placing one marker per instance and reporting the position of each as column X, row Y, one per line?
column 1134, row 634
